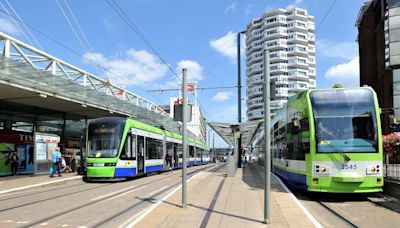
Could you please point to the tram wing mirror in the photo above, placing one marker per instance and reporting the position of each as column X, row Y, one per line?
column 392, row 121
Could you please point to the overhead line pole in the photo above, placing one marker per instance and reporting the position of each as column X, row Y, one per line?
column 267, row 139
column 239, row 99
column 184, row 137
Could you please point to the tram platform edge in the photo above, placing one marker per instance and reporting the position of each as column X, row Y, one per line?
column 9, row 184
column 215, row 200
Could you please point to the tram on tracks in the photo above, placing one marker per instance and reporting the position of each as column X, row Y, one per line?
column 121, row 148
column 327, row 140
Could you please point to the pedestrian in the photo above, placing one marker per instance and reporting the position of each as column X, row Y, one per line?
column 168, row 160
column 56, row 160
column 14, row 163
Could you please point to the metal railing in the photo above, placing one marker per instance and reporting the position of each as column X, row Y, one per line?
column 17, row 50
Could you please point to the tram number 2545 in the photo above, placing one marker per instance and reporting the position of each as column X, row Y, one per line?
column 349, row 166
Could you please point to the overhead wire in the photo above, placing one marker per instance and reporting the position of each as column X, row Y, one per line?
column 89, row 46
column 29, row 32
column 326, row 15
column 17, row 24
column 134, row 28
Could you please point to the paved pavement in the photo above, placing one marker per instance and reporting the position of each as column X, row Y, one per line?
column 215, row 200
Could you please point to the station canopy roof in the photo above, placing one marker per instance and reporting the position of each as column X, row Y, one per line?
column 225, row 131
column 25, row 85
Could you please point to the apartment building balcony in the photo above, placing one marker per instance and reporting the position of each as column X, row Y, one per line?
column 278, row 56
column 298, row 63
column 281, row 92
column 254, row 80
column 299, row 75
column 255, row 104
column 252, row 59
column 299, row 39
column 278, row 68
column 254, row 92
column 275, row 45
column 279, row 22
column 299, row 50
column 254, row 114
column 297, row 88
column 297, row 28
column 254, row 69
column 278, row 33
column 297, row 15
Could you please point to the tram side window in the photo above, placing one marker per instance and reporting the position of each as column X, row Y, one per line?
column 127, row 149
column 191, row 151
column 154, row 148
column 180, row 151
column 305, row 142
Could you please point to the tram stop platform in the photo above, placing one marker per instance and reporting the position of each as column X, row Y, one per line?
column 215, row 200
column 10, row 184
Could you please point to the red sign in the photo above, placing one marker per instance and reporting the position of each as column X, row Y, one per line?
column 15, row 137
column 178, row 101
column 191, row 87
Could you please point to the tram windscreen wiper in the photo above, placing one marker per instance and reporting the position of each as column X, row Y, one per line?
column 347, row 158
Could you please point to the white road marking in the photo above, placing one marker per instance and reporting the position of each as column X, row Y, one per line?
column 308, row 214
column 65, row 225
column 138, row 217
column 1, row 182
column 112, row 193
column 22, row 222
column 8, row 221
column 155, row 192
column 37, row 185
column 44, row 224
column 119, row 195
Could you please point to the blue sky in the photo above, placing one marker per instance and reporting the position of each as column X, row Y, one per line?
column 199, row 35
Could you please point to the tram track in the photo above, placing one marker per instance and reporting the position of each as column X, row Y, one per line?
column 143, row 201
column 37, row 191
column 337, row 214
column 89, row 203
column 51, row 198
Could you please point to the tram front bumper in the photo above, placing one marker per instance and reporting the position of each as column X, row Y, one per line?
column 99, row 172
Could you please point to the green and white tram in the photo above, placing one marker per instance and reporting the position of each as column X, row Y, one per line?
column 328, row 141
column 122, row 148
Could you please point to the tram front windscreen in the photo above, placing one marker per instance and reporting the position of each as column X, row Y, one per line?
column 344, row 120
column 104, row 138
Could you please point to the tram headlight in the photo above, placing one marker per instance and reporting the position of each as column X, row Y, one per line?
column 321, row 170
column 373, row 169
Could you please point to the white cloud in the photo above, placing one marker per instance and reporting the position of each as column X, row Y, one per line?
column 338, row 50
column 222, row 96
column 248, row 9
column 132, row 67
column 194, row 70
column 347, row 74
column 9, row 27
column 294, row 4
column 226, row 45
column 230, row 8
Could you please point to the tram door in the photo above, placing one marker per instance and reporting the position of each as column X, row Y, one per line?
column 176, row 159
column 140, row 154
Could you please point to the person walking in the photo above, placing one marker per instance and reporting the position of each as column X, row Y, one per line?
column 14, row 163
column 56, row 160
column 168, row 159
